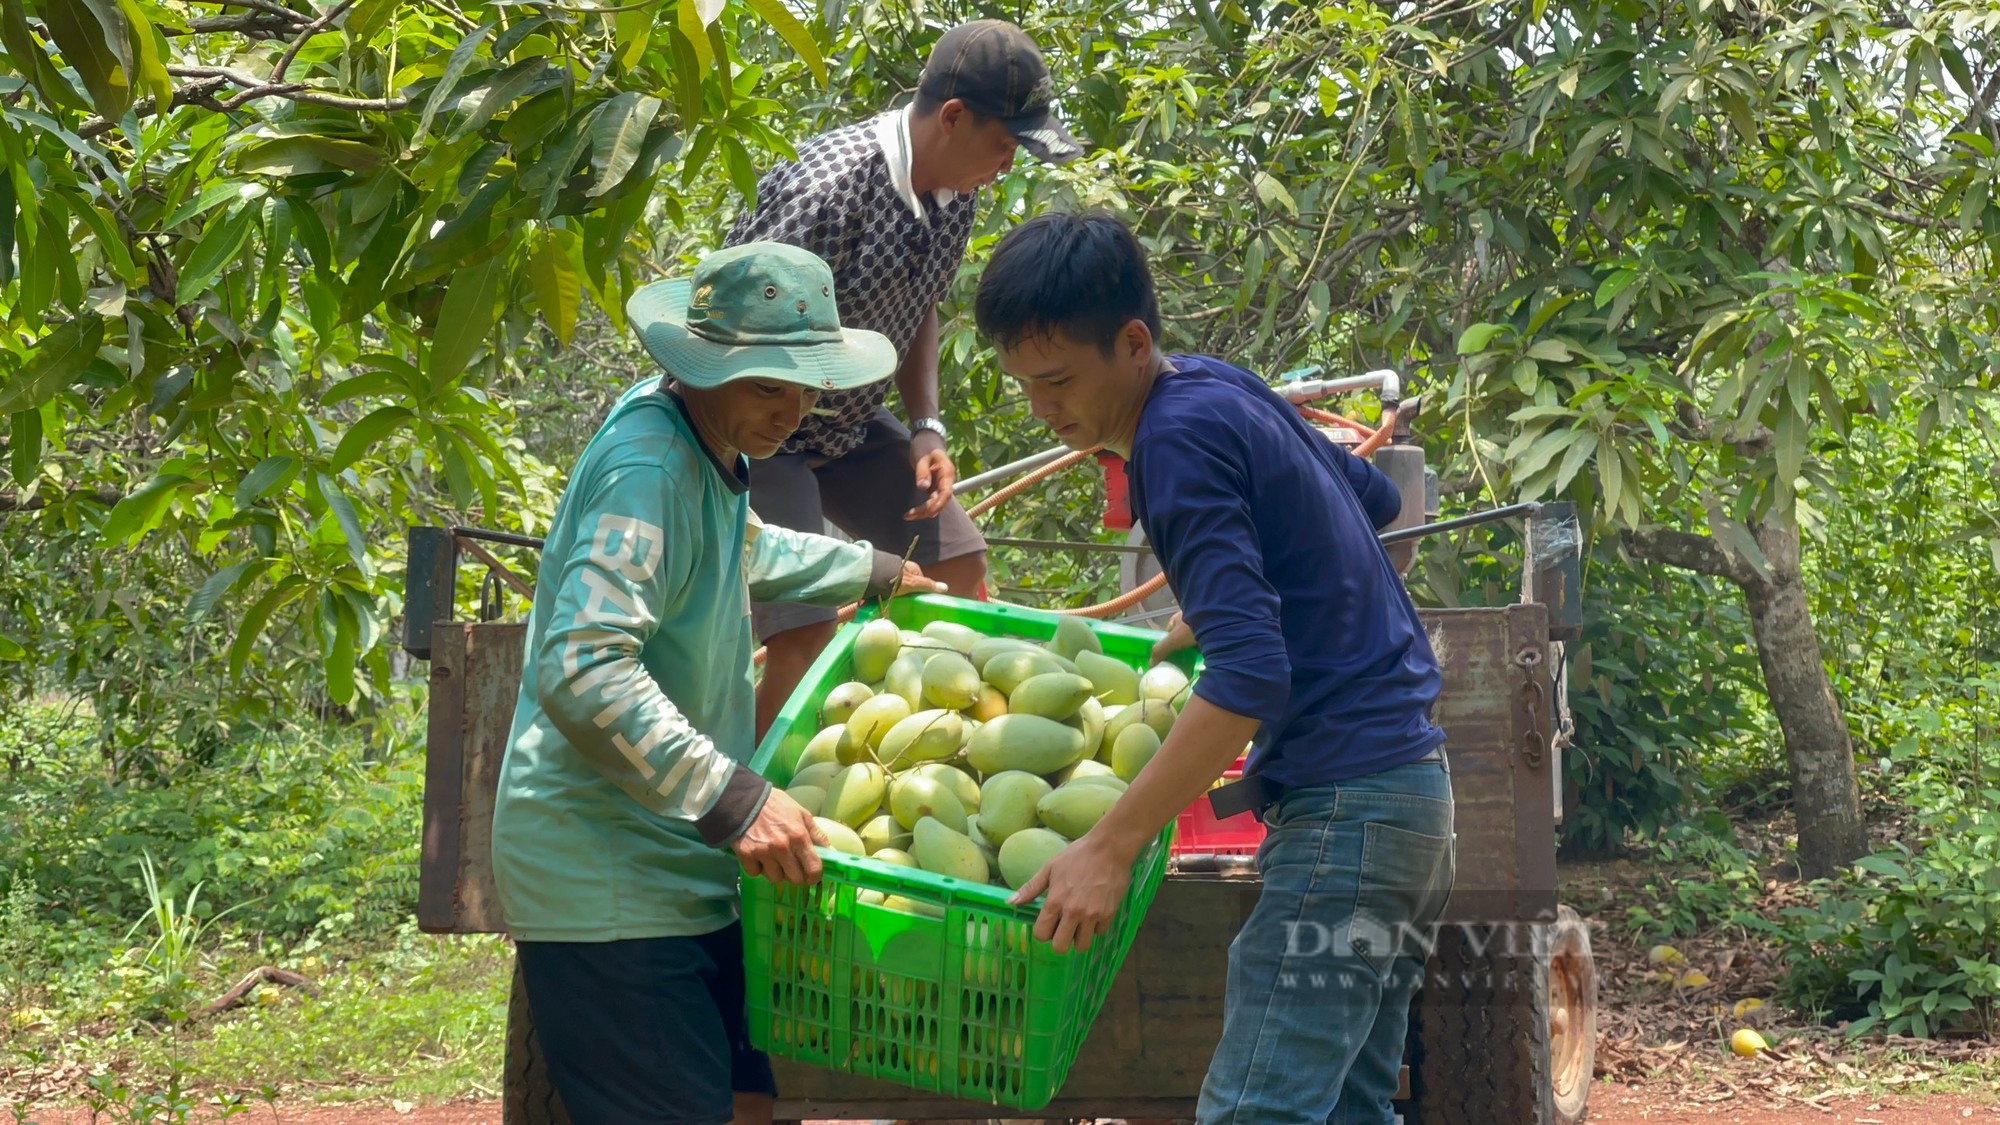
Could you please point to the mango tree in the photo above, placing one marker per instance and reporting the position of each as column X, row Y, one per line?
column 1658, row 256
column 260, row 262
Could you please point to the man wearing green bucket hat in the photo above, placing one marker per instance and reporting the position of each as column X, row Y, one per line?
column 625, row 803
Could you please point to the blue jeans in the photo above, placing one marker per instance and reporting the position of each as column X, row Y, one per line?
column 1321, row 976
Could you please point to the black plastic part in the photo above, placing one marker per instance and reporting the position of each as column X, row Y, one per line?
column 427, row 594
column 1556, row 579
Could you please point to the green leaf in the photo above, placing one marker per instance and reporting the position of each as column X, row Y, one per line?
column 368, row 383
column 617, row 136
column 150, row 70
column 142, row 510
column 1274, row 194
column 55, row 363
column 1543, row 451
column 263, row 478
column 632, row 30
column 557, row 274
column 1476, row 337
column 1617, row 283
column 742, row 172
column 1736, row 540
column 211, row 197
column 522, row 80
column 461, row 57
column 220, row 583
column 476, row 471
column 1883, row 865
column 216, row 251
column 457, row 476
column 1549, row 410
column 24, row 52
column 1549, row 351
column 306, row 156
column 1579, row 452
column 11, row 649
column 254, row 621
column 1792, row 432
column 25, row 447
column 339, row 662
column 345, row 516
column 362, row 436
column 795, row 34
column 9, row 197
column 695, row 30
column 84, row 32
column 471, row 306
column 558, row 162
column 1972, row 206
column 366, row 18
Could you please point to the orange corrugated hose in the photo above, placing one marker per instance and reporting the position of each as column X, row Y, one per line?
column 1315, row 414
column 1028, row 481
column 1372, row 440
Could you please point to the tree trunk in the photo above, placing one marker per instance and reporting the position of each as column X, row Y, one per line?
column 1825, row 798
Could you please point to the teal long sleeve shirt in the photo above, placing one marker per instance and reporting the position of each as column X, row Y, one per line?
column 625, row 768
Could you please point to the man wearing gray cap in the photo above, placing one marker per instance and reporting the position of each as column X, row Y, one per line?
column 889, row 203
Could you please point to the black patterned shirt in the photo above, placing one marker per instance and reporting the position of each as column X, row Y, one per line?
column 893, row 254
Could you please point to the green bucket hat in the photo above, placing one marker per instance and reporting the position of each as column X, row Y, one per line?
column 762, row 310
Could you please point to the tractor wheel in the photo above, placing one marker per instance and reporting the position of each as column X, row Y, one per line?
column 1572, row 1016
column 1505, row 1026
column 527, row 1097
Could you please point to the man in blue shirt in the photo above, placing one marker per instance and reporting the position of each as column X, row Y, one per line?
column 1313, row 652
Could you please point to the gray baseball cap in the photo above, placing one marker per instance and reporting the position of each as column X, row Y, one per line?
column 997, row 71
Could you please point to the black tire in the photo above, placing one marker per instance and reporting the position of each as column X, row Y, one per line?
column 527, row 1097
column 1480, row 1028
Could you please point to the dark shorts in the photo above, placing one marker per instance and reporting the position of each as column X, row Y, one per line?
column 645, row 1032
column 864, row 494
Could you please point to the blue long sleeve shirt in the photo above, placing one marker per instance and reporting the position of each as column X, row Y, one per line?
column 1266, row 531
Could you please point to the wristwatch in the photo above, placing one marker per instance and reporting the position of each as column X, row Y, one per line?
column 931, row 424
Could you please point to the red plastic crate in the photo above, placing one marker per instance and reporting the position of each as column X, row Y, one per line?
column 1199, row 832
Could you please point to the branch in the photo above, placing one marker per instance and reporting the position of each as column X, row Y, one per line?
column 255, row 87
column 270, row 6
column 1982, row 105
column 458, row 17
column 15, row 502
column 201, row 92
column 1903, row 217
column 253, row 25
column 1698, row 553
column 311, row 29
column 255, row 977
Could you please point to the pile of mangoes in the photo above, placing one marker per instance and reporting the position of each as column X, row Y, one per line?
column 978, row 757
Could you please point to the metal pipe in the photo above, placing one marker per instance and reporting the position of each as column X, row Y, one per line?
column 1511, row 510
column 1068, row 545
column 1384, row 379
column 1010, row 469
column 507, row 537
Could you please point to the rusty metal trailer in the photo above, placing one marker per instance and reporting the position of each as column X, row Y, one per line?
column 1502, row 1031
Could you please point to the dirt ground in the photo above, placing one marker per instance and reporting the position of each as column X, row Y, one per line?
column 1610, row 1104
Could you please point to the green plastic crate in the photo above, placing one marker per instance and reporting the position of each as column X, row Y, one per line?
column 965, row 1003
